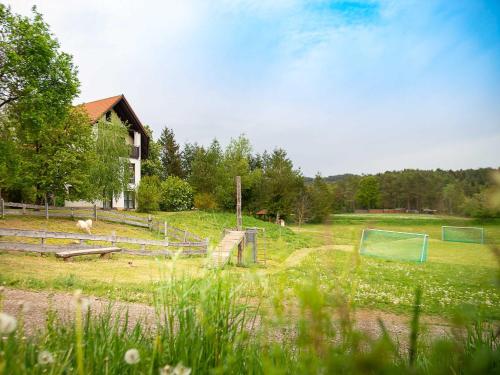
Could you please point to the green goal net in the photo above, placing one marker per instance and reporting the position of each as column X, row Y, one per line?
column 462, row 234
column 402, row 246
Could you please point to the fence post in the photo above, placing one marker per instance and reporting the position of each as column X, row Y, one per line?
column 2, row 207
column 24, row 208
column 72, row 213
column 165, row 227
column 150, row 222
column 113, row 238
column 46, row 209
column 95, row 212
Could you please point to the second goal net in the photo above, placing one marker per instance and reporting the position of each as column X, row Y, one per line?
column 462, row 234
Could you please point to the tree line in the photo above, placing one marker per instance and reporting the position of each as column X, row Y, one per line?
column 462, row 192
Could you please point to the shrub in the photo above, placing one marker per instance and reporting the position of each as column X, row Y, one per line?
column 177, row 195
column 149, row 194
column 205, row 201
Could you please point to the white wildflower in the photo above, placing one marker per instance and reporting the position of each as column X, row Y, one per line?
column 181, row 370
column 132, row 356
column 45, row 357
column 167, row 370
column 8, row 323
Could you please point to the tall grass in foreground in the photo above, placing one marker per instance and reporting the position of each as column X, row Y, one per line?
column 208, row 326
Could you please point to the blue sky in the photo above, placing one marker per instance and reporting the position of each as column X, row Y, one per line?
column 343, row 86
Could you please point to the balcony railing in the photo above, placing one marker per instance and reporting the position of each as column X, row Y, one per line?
column 134, row 152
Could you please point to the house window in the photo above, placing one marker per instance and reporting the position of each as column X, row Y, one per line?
column 129, row 199
column 131, row 168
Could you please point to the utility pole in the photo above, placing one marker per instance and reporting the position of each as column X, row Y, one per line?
column 239, row 220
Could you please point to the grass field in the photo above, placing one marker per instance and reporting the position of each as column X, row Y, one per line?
column 456, row 274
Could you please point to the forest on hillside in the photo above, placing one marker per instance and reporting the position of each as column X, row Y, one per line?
column 447, row 191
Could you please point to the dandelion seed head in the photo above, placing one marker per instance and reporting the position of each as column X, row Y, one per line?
column 132, row 356
column 180, row 369
column 167, row 370
column 8, row 323
column 45, row 357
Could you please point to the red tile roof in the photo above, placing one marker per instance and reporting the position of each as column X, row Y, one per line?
column 98, row 108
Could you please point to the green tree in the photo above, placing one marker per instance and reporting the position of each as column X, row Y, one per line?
column 188, row 154
column 453, row 197
column 177, row 195
column 280, row 184
column 152, row 166
column 321, row 199
column 367, row 195
column 38, row 83
column 149, row 194
column 109, row 169
column 170, row 155
column 206, row 168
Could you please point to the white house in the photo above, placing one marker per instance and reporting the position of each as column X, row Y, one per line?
column 138, row 140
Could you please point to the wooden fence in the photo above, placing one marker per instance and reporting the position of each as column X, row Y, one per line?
column 190, row 248
column 153, row 224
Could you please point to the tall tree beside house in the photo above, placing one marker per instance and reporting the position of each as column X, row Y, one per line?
column 35, row 105
column 109, row 169
column 9, row 157
column 152, row 166
column 170, row 154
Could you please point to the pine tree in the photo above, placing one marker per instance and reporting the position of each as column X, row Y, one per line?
column 170, row 155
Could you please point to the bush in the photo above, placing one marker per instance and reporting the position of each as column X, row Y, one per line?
column 205, row 201
column 149, row 194
column 177, row 195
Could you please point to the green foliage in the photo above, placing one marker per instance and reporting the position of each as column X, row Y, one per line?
column 480, row 206
column 445, row 191
column 368, row 192
column 177, row 195
column 170, row 155
column 149, row 194
column 280, row 184
column 44, row 138
column 152, row 165
column 205, row 201
column 109, row 169
column 321, row 200
column 206, row 168
column 453, row 197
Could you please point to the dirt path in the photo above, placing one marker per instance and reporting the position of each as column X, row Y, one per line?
column 36, row 305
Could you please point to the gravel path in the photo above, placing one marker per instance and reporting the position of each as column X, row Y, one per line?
column 36, row 305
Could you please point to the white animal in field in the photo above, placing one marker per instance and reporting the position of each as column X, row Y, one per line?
column 85, row 225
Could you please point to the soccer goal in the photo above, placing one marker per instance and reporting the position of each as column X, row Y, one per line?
column 403, row 246
column 462, row 234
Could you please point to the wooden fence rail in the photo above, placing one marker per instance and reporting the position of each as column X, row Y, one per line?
column 180, row 235
column 113, row 239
